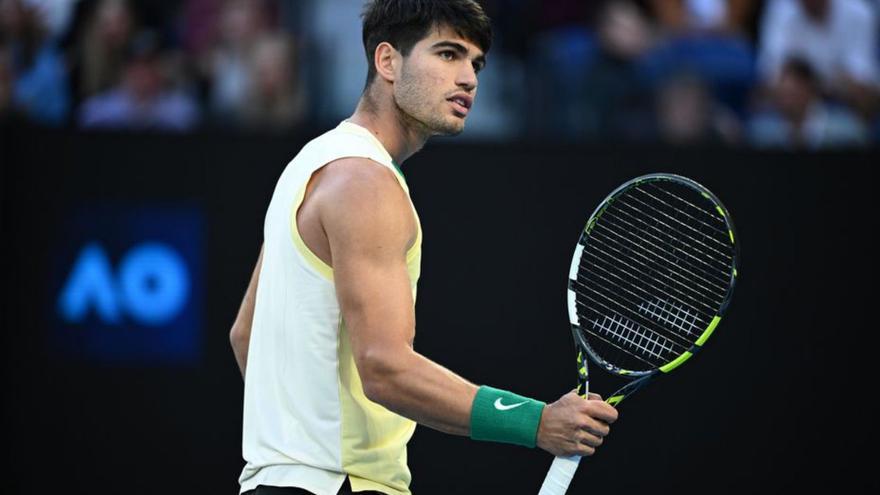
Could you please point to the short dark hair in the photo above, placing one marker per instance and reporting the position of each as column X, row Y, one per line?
column 403, row 23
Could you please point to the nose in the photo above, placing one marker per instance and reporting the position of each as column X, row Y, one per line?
column 467, row 77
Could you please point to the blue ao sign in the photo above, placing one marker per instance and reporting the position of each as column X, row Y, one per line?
column 130, row 285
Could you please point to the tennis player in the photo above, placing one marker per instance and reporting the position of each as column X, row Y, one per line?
column 324, row 336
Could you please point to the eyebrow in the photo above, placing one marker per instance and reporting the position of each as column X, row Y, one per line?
column 461, row 49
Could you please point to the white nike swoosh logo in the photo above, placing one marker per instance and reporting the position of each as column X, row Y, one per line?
column 502, row 407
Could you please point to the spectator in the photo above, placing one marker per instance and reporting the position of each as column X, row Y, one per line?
column 101, row 48
column 707, row 16
column 617, row 102
column 798, row 118
column 56, row 14
column 561, row 50
column 241, row 23
column 199, row 26
column 336, row 60
column 838, row 38
column 142, row 100
column 275, row 98
column 708, row 38
column 687, row 114
column 39, row 79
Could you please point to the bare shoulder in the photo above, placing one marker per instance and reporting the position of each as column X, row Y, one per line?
column 357, row 176
column 362, row 199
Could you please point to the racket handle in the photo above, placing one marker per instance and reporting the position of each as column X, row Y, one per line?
column 563, row 468
column 560, row 475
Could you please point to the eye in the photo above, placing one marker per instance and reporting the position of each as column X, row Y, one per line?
column 447, row 55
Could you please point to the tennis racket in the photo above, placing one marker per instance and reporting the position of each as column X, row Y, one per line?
column 650, row 279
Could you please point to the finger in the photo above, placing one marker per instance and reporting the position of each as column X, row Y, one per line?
column 591, row 440
column 595, row 427
column 595, row 396
column 601, row 411
column 586, row 450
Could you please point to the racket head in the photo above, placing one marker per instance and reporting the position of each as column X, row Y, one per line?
column 651, row 276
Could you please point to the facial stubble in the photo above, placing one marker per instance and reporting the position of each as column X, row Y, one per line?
column 410, row 99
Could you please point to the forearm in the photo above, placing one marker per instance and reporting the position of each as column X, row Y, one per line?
column 239, row 340
column 420, row 389
column 239, row 336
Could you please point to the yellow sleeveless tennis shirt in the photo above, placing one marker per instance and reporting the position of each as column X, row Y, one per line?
column 307, row 422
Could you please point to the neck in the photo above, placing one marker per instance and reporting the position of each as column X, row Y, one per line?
column 401, row 136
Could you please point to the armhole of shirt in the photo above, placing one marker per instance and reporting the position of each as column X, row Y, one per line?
column 311, row 259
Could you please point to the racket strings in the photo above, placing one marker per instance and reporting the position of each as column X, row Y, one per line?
column 719, row 233
column 678, row 317
column 722, row 257
column 717, row 225
column 702, row 211
column 687, row 274
column 629, row 345
column 665, row 241
column 645, row 327
column 641, row 301
column 695, row 260
column 614, row 344
column 621, row 329
column 653, row 274
column 673, row 285
column 614, row 308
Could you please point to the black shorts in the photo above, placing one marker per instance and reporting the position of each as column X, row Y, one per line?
column 274, row 490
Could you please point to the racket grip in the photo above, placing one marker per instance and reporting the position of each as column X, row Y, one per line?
column 563, row 468
column 560, row 475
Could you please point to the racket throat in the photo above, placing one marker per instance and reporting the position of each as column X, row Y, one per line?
column 628, row 390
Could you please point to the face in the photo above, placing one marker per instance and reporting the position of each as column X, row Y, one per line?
column 144, row 78
column 114, row 23
column 793, row 94
column 684, row 111
column 271, row 67
column 437, row 83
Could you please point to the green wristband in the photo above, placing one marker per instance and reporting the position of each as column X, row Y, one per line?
column 502, row 416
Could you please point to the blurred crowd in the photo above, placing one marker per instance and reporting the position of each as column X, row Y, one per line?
column 774, row 73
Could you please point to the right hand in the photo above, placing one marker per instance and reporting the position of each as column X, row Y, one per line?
column 574, row 426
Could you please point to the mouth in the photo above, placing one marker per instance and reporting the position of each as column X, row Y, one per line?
column 461, row 104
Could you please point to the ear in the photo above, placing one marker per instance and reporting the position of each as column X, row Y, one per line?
column 387, row 61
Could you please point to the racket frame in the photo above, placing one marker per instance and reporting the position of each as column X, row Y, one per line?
column 563, row 468
column 640, row 377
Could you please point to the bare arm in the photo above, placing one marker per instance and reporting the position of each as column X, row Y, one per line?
column 240, row 334
column 370, row 225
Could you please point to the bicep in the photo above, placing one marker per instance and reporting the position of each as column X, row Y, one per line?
column 375, row 299
column 368, row 224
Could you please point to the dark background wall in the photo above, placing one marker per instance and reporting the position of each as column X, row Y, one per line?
column 781, row 399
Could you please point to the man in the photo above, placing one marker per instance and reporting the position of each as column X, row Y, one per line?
column 333, row 387
column 798, row 117
column 838, row 38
